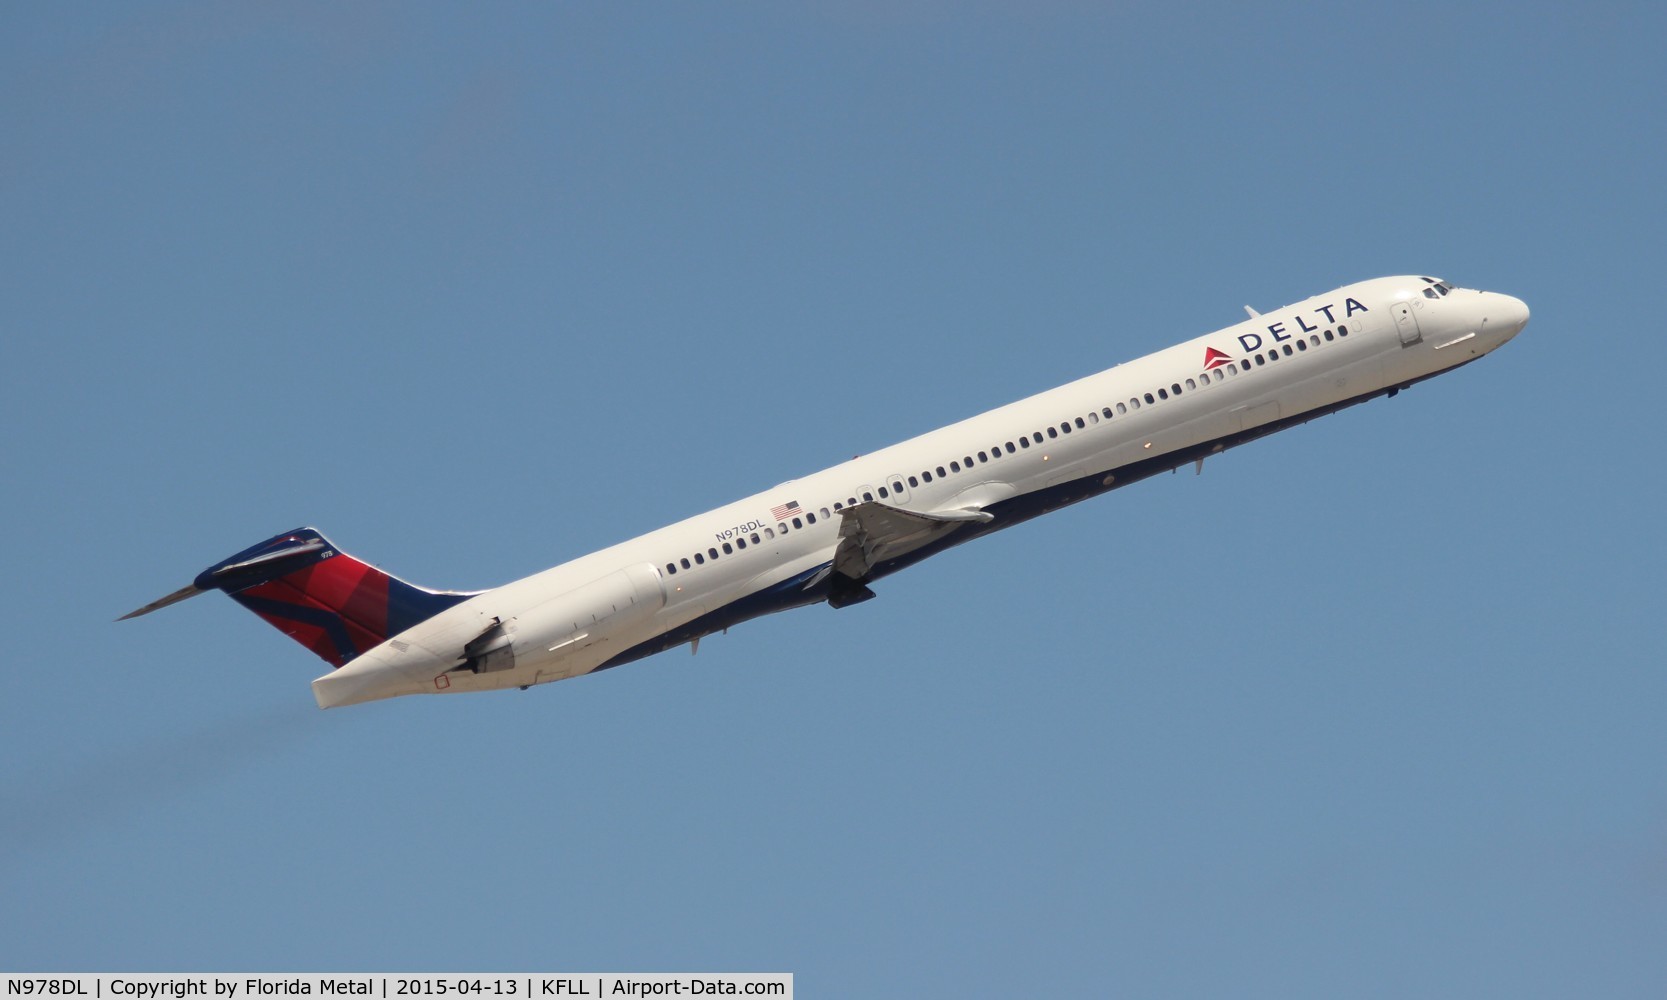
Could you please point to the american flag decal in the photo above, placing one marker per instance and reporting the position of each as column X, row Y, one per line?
column 785, row 511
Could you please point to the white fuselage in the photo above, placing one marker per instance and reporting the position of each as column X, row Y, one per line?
column 752, row 557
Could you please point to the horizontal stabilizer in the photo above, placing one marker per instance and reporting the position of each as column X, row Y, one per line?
column 189, row 590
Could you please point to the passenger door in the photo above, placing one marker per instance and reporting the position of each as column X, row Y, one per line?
column 1406, row 323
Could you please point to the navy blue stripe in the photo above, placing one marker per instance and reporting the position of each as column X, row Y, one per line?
column 409, row 605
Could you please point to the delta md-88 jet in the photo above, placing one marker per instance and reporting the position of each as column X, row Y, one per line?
column 827, row 537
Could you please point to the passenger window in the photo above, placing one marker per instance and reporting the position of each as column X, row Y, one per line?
column 809, row 518
column 1190, row 384
column 740, row 543
column 729, row 549
column 1080, row 424
column 956, row 466
column 1343, row 331
column 869, row 497
column 1315, row 340
column 755, row 540
column 1121, row 408
column 671, row 569
column 769, row 532
column 712, row 553
column 782, row 527
column 1302, row 345
column 1287, row 350
column 685, row 563
column 825, row 512
column 1260, row 360
column 1163, row 393
column 1094, row 418
column 1010, row 448
column 1245, row 365
column 798, row 523
column 941, row 473
column 983, row 456
column 1328, row 335
column 1037, row 436
column 883, row 493
column 1024, row 442
column 1051, row 433
column 1175, row 388
column 700, row 559
column 914, row 483
column 897, row 487
column 1107, row 412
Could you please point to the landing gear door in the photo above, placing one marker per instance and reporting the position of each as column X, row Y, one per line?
column 1406, row 323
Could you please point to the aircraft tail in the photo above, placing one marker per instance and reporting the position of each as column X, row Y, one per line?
column 318, row 595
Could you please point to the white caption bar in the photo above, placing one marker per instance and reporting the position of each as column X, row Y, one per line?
column 397, row 986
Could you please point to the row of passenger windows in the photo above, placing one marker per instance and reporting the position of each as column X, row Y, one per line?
column 966, row 462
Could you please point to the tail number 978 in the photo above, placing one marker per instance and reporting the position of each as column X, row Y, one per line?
column 740, row 529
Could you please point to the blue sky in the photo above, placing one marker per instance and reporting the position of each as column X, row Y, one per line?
column 1371, row 708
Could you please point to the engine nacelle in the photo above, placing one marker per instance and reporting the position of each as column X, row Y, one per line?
column 596, row 611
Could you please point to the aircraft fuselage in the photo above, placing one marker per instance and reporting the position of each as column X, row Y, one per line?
column 827, row 536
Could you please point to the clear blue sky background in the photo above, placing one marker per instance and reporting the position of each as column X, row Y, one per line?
column 1370, row 709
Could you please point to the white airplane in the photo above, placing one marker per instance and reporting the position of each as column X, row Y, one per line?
column 828, row 536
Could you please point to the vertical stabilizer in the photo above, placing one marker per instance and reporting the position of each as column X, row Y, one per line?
column 318, row 595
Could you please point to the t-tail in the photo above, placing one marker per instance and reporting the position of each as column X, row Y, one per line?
column 318, row 595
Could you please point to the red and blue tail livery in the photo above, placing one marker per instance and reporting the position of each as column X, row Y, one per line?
column 318, row 595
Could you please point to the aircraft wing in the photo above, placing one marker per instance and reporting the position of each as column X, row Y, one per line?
column 871, row 533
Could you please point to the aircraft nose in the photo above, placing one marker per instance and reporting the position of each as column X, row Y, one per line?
column 1509, row 312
